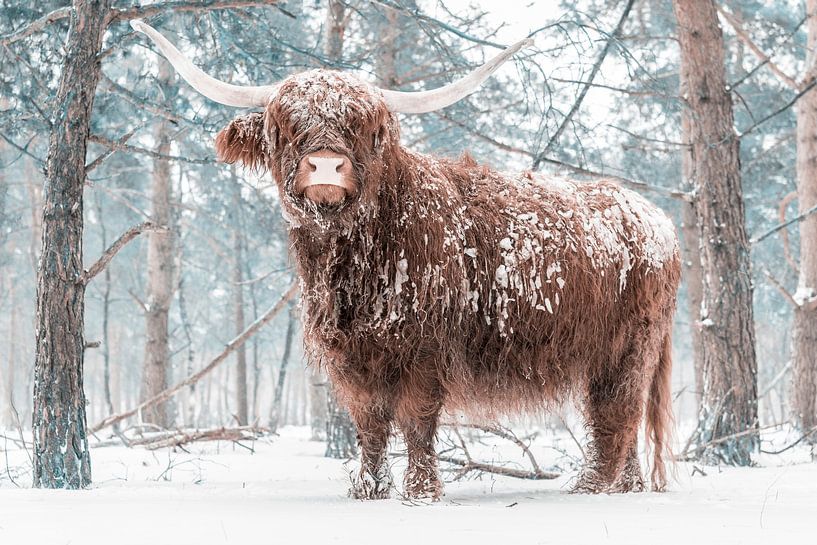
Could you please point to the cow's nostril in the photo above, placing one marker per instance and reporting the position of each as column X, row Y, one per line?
column 312, row 166
column 340, row 166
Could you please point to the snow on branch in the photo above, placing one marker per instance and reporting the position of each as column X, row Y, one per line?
column 114, row 249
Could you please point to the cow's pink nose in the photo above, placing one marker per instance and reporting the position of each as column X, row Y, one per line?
column 325, row 177
column 325, row 170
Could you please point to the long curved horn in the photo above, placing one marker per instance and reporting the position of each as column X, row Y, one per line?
column 223, row 93
column 420, row 102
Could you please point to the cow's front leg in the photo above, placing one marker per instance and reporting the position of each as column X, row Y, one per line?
column 373, row 422
column 417, row 416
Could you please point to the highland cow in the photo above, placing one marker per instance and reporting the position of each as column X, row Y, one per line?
column 433, row 284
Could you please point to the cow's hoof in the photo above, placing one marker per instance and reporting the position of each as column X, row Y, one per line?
column 624, row 486
column 363, row 493
column 424, row 491
column 366, row 487
column 422, row 482
column 589, row 483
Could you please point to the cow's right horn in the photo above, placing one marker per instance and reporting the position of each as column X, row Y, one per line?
column 223, row 93
column 420, row 102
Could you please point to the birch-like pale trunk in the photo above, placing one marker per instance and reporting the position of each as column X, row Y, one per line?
column 804, row 333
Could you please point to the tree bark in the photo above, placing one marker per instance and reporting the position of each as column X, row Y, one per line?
column 729, row 398
column 804, row 335
column 160, row 275
column 61, row 457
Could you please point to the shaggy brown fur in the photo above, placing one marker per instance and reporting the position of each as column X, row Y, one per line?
column 443, row 284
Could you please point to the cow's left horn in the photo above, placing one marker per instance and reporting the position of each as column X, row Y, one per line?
column 420, row 102
column 223, row 93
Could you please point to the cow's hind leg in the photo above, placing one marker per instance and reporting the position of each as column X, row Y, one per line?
column 373, row 423
column 630, row 478
column 614, row 409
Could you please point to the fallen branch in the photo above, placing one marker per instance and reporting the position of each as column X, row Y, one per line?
column 251, row 330
column 690, row 450
column 808, row 433
column 504, row 433
column 114, row 249
column 177, row 438
column 468, row 466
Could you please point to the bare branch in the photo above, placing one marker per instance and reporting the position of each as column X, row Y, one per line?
column 104, row 155
column 141, row 12
column 114, row 248
column 164, row 395
column 417, row 14
column 614, row 36
column 117, row 146
column 783, row 225
column 788, row 296
column 736, row 25
column 635, row 184
column 805, row 89
column 36, row 26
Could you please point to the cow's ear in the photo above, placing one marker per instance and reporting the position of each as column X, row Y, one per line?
column 244, row 141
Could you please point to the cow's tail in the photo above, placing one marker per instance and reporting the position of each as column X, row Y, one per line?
column 659, row 415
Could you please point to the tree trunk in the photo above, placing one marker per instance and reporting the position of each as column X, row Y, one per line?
column 692, row 266
column 341, row 435
column 335, row 30
column 318, row 401
column 804, row 338
column 61, row 457
column 106, row 311
column 7, row 416
column 160, row 276
column 242, row 402
column 729, row 398
column 277, row 398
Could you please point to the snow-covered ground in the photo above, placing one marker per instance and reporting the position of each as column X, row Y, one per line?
column 285, row 491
